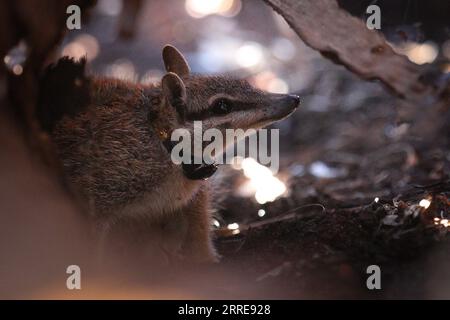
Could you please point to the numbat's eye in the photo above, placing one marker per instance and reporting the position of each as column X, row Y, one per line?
column 222, row 106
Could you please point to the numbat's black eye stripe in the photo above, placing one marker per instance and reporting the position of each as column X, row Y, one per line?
column 211, row 111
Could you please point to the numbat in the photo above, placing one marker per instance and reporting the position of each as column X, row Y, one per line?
column 113, row 138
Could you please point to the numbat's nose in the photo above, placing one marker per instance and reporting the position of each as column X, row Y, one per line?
column 294, row 100
column 283, row 105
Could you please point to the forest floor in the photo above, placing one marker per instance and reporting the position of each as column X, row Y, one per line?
column 363, row 189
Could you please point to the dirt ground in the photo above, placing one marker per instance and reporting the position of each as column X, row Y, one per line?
column 369, row 214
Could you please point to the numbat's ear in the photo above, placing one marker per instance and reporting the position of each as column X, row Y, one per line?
column 174, row 61
column 174, row 91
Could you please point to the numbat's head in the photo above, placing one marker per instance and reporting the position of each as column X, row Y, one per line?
column 220, row 102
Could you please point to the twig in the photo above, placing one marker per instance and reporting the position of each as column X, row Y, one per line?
column 289, row 215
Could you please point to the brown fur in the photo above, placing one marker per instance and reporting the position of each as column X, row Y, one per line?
column 113, row 151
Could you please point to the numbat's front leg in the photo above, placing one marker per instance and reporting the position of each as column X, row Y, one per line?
column 198, row 240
